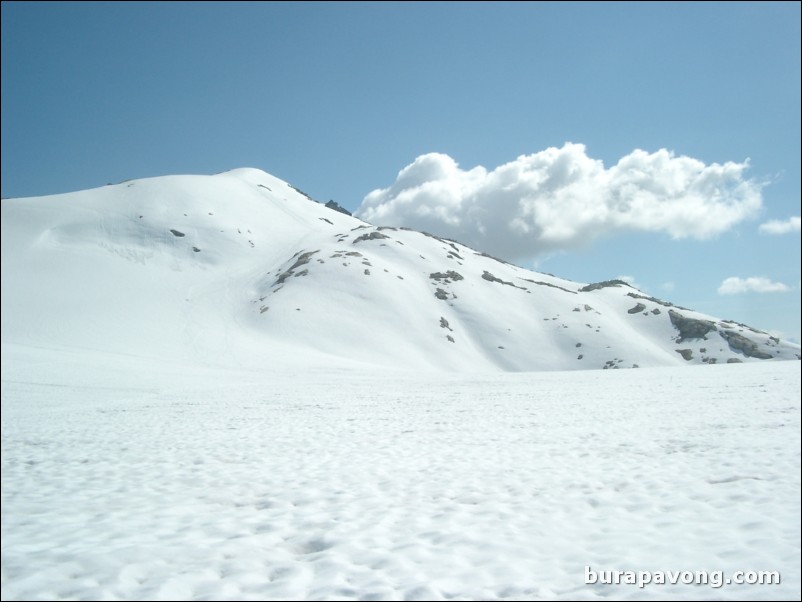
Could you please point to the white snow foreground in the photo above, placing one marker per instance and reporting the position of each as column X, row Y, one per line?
column 131, row 479
column 241, row 268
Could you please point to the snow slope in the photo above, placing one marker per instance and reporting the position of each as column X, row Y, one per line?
column 240, row 269
column 140, row 480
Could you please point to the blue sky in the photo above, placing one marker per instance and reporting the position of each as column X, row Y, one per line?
column 339, row 98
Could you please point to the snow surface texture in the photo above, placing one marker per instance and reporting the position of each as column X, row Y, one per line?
column 202, row 399
column 125, row 479
column 242, row 269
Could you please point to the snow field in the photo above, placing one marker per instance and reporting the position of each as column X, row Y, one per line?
column 359, row 484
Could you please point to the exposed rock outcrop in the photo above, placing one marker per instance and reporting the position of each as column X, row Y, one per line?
column 690, row 328
column 603, row 284
column 741, row 344
column 337, row 207
column 447, row 276
column 371, row 236
column 687, row 354
column 637, row 309
column 303, row 258
column 491, row 278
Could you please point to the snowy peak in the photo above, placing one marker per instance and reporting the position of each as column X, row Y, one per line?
column 242, row 268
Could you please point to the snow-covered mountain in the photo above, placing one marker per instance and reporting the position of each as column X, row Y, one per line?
column 241, row 268
column 191, row 412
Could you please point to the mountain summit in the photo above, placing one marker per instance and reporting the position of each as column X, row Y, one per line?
column 242, row 268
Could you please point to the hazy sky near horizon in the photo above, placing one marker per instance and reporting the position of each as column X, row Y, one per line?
column 656, row 141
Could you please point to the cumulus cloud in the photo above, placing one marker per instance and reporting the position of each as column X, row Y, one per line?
column 753, row 284
column 560, row 198
column 776, row 226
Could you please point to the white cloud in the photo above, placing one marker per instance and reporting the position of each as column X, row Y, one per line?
column 753, row 284
column 560, row 198
column 776, row 226
column 668, row 286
